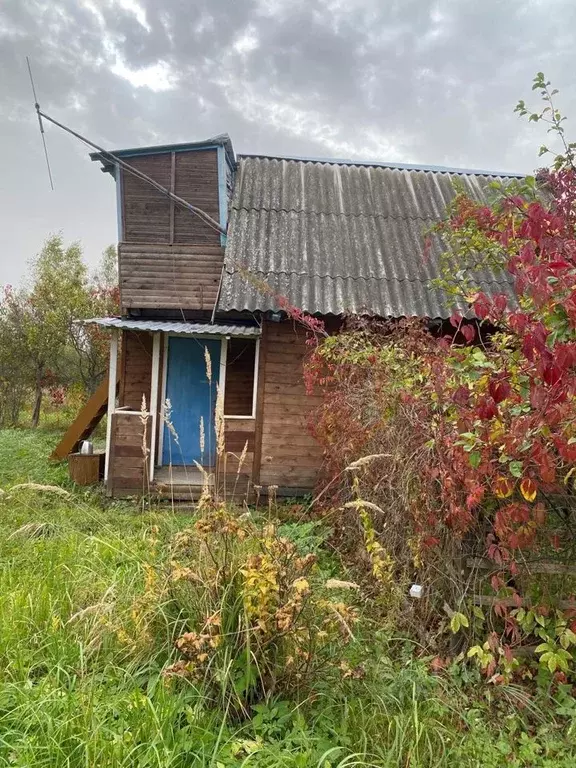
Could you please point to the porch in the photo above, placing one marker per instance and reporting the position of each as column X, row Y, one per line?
column 187, row 399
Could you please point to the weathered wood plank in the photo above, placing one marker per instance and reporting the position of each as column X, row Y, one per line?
column 536, row 567
column 239, row 425
column 290, row 455
column 235, row 441
column 185, row 250
column 508, row 602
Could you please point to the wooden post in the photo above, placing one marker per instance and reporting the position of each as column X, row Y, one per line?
column 154, row 400
column 259, row 412
column 256, row 378
column 112, row 373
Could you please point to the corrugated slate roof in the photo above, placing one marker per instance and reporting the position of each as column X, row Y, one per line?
column 165, row 326
column 339, row 237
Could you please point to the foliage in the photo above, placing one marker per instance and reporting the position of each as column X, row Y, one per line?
column 466, row 444
column 43, row 346
column 261, row 621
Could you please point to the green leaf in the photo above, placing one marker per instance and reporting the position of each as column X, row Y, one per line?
column 457, row 621
column 543, row 647
column 475, row 459
column 515, row 468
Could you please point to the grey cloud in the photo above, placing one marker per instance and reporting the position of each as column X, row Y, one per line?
column 420, row 80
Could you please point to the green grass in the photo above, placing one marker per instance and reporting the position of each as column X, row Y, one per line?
column 84, row 639
column 24, row 457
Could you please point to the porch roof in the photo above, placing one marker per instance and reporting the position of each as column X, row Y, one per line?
column 167, row 326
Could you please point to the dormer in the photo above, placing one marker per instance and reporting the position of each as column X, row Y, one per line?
column 170, row 260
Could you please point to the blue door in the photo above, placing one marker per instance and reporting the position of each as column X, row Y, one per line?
column 192, row 399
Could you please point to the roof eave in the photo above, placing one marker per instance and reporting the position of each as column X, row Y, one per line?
column 222, row 140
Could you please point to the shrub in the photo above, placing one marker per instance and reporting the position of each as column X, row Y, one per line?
column 465, row 444
column 260, row 619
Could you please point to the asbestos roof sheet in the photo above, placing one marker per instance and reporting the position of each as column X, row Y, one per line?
column 338, row 237
column 194, row 329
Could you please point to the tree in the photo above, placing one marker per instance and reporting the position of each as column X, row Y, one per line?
column 40, row 318
column 106, row 275
column 45, row 342
column 90, row 342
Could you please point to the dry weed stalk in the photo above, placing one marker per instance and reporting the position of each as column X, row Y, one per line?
column 205, row 499
column 34, row 531
column 144, row 414
column 365, row 460
column 219, row 421
column 202, row 438
column 272, row 490
column 208, row 362
column 168, row 420
column 241, row 461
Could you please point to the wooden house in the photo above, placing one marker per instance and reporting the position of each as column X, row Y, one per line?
column 333, row 237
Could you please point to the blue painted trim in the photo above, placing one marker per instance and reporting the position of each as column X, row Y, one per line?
column 222, row 192
column 398, row 166
column 119, row 221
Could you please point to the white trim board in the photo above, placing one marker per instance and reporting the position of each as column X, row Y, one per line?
column 163, row 401
column 112, row 378
column 153, row 407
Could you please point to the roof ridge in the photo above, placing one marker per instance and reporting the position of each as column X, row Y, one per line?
column 399, row 166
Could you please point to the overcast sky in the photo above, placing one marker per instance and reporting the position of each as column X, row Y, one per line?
column 395, row 80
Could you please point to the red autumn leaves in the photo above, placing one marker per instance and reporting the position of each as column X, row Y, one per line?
column 510, row 434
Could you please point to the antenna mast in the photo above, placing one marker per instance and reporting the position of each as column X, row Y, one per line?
column 206, row 218
column 37, row 107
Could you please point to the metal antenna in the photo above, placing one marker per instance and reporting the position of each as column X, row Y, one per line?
column 37, row 108
column 106, row 154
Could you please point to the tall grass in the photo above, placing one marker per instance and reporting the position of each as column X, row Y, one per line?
column 87, row 632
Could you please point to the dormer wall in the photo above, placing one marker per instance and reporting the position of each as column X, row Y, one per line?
column 169, row 258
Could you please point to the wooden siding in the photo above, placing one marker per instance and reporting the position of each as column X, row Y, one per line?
column 145, row 211
column 169, row 276
column 168, row 257
column 281, row 450
column 128, row 468
column 196, row 181
column 291, row 457
column 128, row 471
column 148, row 216
column 239, row 389
column 235, row 479
column 136, row 369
